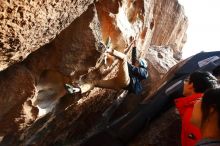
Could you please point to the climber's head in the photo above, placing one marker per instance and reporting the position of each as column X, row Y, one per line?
column 141, row 63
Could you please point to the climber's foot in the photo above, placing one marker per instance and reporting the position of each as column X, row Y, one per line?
column 71, row 89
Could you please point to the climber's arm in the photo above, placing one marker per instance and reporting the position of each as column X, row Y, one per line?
column 116, row 54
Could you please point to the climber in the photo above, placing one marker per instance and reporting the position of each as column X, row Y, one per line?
column 129, row 76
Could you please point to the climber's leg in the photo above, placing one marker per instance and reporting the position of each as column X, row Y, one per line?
column 121, row 80
column 118, row 54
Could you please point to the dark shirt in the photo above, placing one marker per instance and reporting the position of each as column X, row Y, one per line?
column 136, row 75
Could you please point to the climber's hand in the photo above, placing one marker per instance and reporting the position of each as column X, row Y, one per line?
column 133, row 43
column 101, row 47
column 109, row 50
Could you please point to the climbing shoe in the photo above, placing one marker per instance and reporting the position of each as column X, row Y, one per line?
column 71, row 89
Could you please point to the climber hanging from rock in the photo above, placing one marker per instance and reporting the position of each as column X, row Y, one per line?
column 128, row 77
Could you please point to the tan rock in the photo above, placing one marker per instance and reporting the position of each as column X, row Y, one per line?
column 27, row 25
